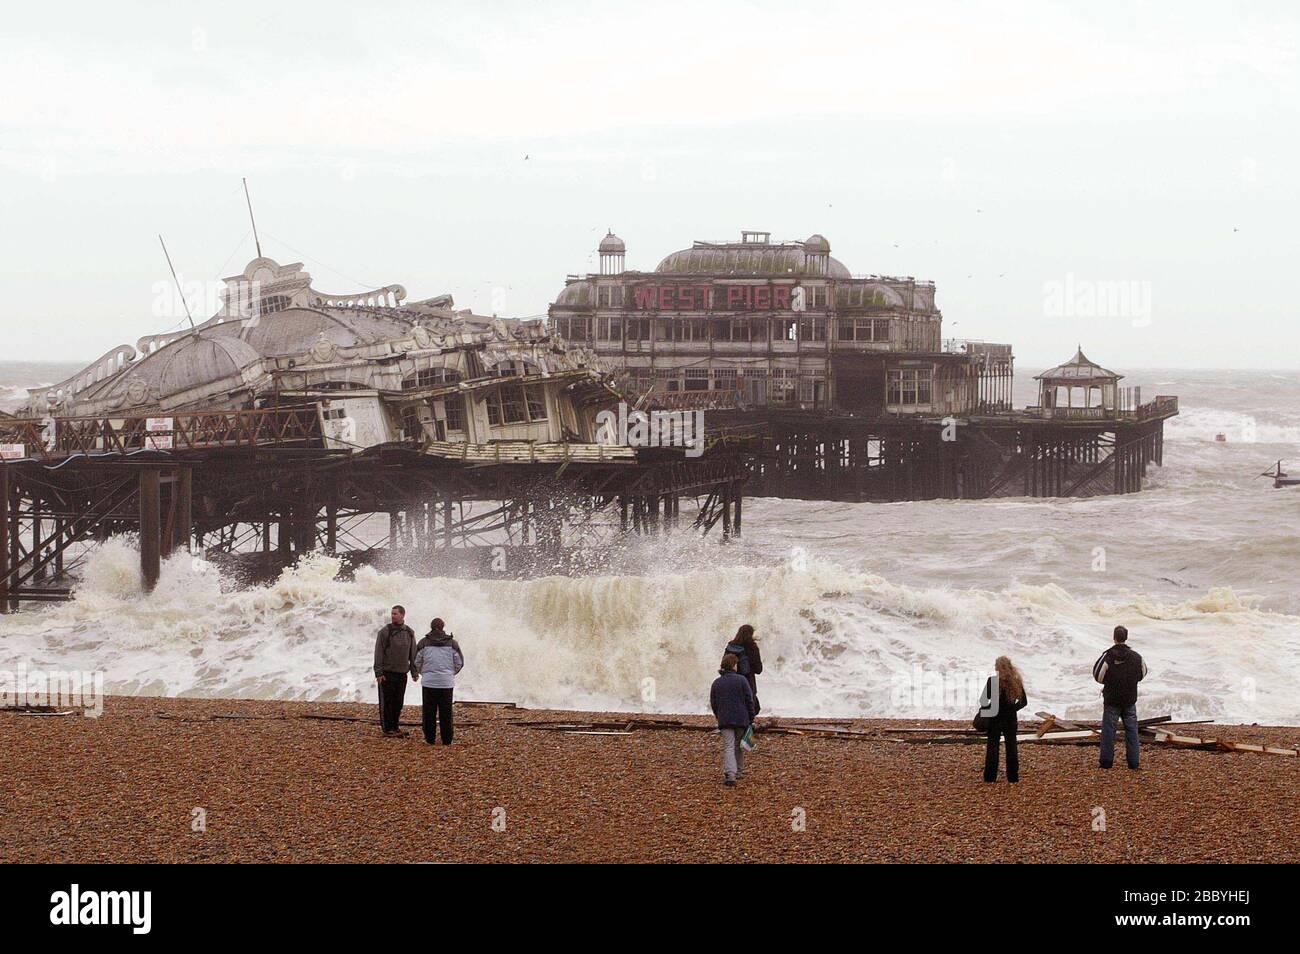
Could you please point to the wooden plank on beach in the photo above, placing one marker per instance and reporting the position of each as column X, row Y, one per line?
column 1076, row 736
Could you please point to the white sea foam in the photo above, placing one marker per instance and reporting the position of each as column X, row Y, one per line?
column 836, row 641
column 848, row 598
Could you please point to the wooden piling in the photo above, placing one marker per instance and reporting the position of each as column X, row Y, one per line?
column 184, row 491
column 4, row 538
column 150, row 527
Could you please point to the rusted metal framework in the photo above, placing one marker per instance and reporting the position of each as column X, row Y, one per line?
column 827, row 457
column 260, row 489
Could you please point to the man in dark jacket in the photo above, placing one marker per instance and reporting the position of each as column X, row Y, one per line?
column 1119, row 670
column 394, row 658
column 732, row 702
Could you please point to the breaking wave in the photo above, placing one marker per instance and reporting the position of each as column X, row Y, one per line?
column 836, row 642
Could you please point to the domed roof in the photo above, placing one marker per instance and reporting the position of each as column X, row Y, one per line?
column 612, row 243
column 295, row 330
column 575, row 295
column 192, row 361
column 1078, row 369
column 198, row 360
column 746, row 259
column 817, row 243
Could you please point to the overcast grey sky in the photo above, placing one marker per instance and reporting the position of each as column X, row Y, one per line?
column 1027, row 157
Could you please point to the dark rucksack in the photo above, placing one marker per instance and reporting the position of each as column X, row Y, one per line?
column 742, row 658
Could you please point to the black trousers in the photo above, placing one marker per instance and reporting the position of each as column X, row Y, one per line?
column 392, row 693
column 437, row 714
column 999, row 731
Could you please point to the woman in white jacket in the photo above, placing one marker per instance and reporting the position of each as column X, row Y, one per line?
column 438, row 658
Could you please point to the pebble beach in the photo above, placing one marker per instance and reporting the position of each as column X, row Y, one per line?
column 220, row 780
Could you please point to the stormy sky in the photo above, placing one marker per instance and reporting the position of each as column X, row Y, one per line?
column 1117, row 174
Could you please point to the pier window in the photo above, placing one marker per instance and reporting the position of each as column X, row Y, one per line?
column 812, row 388
column 639, row 381
column 697, row 379
column 783, row 329
column 784, row 386
column 732, row 329
column 812, row 329
column 638, row 329
column 454, row 409
column 689, row 329
column 864, row 329
column 753, row 386
column 668, row 379
column 508, row 368
column 430, row 378
column 536, row 400
column 910, row 386
column 572, row 329
column 610, row 296
column 516, row 404
column 724, row 379
column 609, row 329
column 271, row 304
column 411, row 427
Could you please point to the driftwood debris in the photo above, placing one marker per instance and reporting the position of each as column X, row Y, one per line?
column 1221, row 745
column 1167, row 737
column 1052, row 729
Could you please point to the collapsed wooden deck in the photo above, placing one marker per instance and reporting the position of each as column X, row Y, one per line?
column 264, row 483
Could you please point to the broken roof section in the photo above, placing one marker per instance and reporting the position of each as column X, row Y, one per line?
column 274, row 331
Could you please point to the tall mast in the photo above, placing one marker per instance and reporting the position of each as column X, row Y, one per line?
column 179, row 291
column 256, row 240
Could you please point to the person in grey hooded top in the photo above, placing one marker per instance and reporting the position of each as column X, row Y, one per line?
column 438, row 658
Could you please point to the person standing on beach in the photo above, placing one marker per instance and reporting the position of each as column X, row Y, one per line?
column 394, row 658
column 749, row 662
column 1119, row 670
column 733, row 705
column 438, row 658
column 1003, row 723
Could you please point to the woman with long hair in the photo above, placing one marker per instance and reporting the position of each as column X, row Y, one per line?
column 1004, row 696
column 749, row 662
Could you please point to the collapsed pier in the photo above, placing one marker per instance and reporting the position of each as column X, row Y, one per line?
column 281, row 424
column 291, row 418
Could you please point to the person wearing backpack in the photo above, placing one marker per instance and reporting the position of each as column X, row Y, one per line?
column 1119, row 670
column 749, row 662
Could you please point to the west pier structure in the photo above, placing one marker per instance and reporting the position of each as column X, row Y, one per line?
column 849, row 380
column 291, row 418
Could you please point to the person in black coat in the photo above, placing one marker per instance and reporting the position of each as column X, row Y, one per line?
column 1001, row 713
column 1119, row 670
column 749, row 661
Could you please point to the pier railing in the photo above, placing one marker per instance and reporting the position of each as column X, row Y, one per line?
column 165, row 432
column 1163, row 406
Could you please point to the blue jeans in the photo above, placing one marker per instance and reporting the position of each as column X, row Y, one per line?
column 1132, row 748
